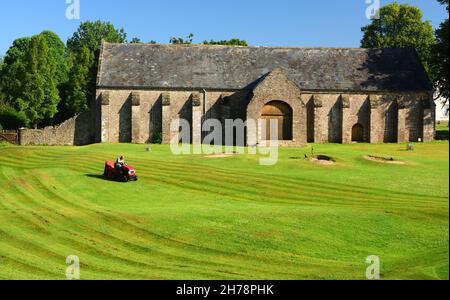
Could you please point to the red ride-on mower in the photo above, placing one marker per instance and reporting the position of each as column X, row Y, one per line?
column 124, row 174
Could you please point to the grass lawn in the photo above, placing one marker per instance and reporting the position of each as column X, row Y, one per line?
column 191, row 217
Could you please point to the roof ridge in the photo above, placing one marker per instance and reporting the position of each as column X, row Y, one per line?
column 252, row 46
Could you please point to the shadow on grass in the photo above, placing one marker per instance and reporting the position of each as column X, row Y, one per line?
column 103, row 178
column 442, row 135
column 442, row 131
column 96, row 176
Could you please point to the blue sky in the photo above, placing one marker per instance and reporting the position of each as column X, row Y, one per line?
column 333, row 23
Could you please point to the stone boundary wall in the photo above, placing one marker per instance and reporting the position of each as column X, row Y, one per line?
column 77, row 131
column 10, row 136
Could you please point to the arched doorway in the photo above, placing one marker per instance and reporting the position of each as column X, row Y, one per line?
column 283, row 114
column 358, row 133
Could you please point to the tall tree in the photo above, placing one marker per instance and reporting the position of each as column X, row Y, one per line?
column 401, row 25
column 39, row 97
column 13, row 68
column 440, row 57
column 57, row 50
column 232, row 42
column 91, row 34
column 14, row 63
column 2, row 96
column 80, row 87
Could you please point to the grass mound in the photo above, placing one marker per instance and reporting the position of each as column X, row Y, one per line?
column 385, row 160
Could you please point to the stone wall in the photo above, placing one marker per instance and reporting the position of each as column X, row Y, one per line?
column 74, row 132
column 385, row 118
column 137, row 115
column 157, row 109
column 277, row 87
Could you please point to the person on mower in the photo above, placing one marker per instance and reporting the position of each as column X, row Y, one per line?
column 120, row 162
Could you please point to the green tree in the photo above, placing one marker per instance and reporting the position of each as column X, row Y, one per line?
column 13, row 68
column 81, row 48
column 400, row 26
column 440, row 57
column 182, row 41
column 91, row 34
column 135, row 40
column 10, row 119
column 58, row 52
column 80, row 88
column 2, row 96
column 38, row 97
column 17, row 50
column 232, row 42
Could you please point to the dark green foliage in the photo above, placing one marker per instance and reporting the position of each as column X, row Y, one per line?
column 441, row 60
column 442, row 132
column 36, row 72
column 157, row 138
column 58, row 51
column 39, row 95
column 440, row 57
column 183, row 41
column 80, row 88
column 17, row 50
column 81, row 48
column 33, row 70
column 91, row 34
column 190, row 38
column 444, row 2
column 13, row 67
column 232, row 42
column 135, row 40
column 400, row 26
column 10, row 119
column 2, row 96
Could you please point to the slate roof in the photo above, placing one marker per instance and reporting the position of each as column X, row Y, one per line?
column 223, row 67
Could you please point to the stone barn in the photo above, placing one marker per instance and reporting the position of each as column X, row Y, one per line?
column 320, row 95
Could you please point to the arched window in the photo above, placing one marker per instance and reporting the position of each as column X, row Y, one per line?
column 358, row 133
column 282, row 113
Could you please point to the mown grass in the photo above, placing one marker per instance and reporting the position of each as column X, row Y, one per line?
column 191, row 217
